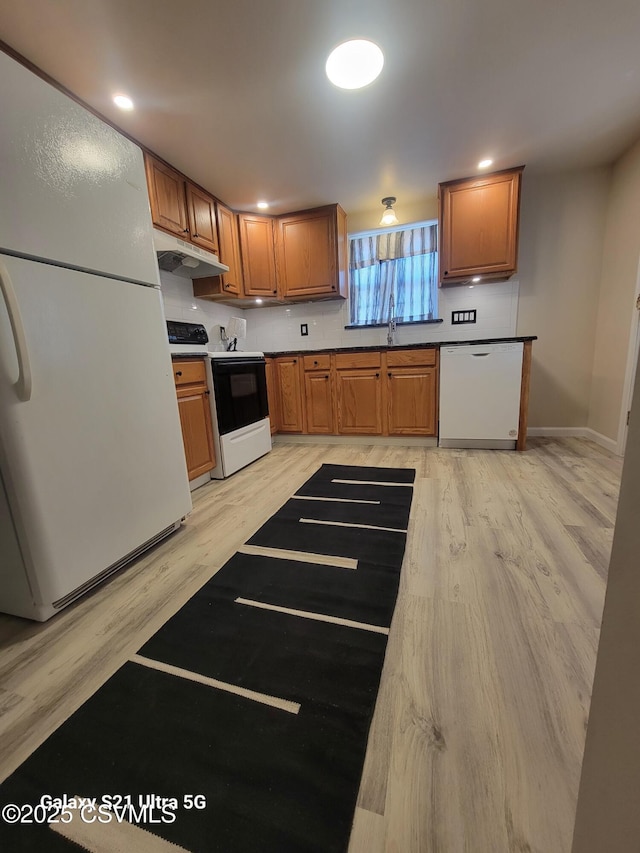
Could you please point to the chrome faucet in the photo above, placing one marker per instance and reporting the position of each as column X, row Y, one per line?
column 391, row 326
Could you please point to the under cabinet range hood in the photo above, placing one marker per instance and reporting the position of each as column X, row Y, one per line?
column 185, row 259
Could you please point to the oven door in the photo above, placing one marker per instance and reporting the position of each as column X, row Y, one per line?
column 240, row 389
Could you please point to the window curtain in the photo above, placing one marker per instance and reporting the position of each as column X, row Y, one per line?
column 402, row 263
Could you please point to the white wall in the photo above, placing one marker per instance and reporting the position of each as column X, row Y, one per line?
column 616, row 311
column 608, row 817
column 561, row 237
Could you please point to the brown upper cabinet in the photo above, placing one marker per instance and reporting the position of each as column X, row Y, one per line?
column 180, row 207
column 478, row 227
column 229, row 250
column 312, row 253
column 294, row 256
column 257, row 252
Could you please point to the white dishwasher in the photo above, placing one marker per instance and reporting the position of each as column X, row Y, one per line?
column 480, row 395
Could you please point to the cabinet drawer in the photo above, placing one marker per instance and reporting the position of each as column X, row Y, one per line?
column 189, row 372
column 347, row 360
column 317, row 362
column 411, row 358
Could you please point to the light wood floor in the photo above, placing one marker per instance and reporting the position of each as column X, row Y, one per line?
column 479, row 728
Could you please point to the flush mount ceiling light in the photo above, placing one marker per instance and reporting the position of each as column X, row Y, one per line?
column 123, row 101
column 484, row 164
column 262, row 205
column 354, row 64
column 389, row 216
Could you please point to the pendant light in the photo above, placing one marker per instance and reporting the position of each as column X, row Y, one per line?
column 389, row 216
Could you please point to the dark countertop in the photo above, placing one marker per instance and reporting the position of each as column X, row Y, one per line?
column 378, row 347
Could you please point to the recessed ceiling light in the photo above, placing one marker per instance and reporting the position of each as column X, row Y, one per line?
column 123, row 101
column 354, row 64
column 262, row 205
column 483, row 164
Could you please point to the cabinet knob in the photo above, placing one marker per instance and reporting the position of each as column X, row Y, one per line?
column 295, row 360
column 275, row 291
column 185, row 231
column 326, row 377
column 178, row 373
column 377, row 376
column 207, row 392
column 389, row 375
column 316, row 363
column 196, row 235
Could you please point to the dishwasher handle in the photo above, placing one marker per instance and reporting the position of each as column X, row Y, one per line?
column 480, row 354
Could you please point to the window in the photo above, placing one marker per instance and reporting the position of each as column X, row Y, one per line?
column 394, row 275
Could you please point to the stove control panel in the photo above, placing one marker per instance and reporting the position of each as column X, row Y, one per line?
column 187, row 333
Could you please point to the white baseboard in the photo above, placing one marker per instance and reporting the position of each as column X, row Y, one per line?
column 576, row 432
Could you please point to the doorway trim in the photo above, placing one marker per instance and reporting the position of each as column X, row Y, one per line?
column 630, row 372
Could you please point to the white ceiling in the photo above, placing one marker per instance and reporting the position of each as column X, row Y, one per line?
column 234, row 93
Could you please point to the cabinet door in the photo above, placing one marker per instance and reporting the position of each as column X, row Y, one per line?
column 197, row 434
column 257, row 252
column 411, row 400
column 479, row 227
column 202, row 219
column 318, row 402
column 359, row 402
column 229, row 250
column 272, row 395
column 190, row 377
column 289, row 394
column 167, row 197
column 308, row 253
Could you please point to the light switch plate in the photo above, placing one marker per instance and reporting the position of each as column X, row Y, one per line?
column 304, row 329
column 460, row 317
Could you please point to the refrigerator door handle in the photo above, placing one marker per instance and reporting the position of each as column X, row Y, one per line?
column 23, row 384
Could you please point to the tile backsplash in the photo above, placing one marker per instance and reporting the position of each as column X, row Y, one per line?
column 278, row 329
column 181, row 304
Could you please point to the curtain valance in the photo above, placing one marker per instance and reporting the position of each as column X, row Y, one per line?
column 369, row 250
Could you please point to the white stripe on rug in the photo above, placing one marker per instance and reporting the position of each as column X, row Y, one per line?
column 319, row 617
column 336, row 500
column 113, row 837
column 370, row 483
column 264, row 698
column 348, row 524
column 300, row 556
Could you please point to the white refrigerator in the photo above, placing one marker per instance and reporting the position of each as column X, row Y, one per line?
column 92, row 466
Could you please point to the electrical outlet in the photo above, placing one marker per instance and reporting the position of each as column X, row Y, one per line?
column 223, row 333
column 460, row 317
column 304, row 329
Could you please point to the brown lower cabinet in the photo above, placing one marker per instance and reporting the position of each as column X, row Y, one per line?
column 272, row 395
column 361, row 393
column 318, row 400
column 289, row 390
column 195, row 415
column 412, row 392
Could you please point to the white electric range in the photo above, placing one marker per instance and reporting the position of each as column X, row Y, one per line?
column 239, row 407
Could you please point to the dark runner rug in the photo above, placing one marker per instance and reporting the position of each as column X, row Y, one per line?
column 247, row 713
